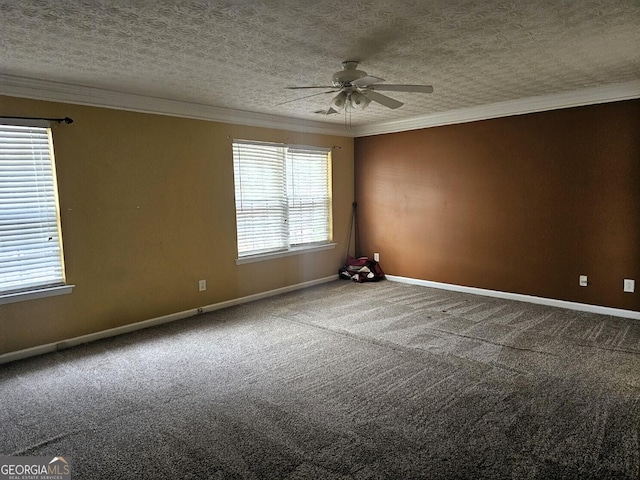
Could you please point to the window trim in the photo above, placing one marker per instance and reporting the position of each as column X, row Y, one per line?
column 35, row 293
column 259, row 257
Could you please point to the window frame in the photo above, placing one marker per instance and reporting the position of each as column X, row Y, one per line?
column 290, row 249
column 41, row 289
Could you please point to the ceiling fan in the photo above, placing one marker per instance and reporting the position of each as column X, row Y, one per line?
column 357, row 89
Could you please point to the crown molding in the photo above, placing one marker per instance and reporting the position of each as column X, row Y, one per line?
column 589, row 96
column 81, row 95
column 24, row 87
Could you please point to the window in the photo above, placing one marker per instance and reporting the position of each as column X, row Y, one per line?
column 30, row 239
column 283, row 197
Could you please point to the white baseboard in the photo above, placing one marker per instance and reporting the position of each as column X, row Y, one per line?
column 583, row 307
column 112, row 332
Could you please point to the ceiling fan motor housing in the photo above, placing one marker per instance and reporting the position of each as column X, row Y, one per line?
column 349, row 73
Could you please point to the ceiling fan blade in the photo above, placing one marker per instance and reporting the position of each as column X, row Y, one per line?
column 314, row 86
column 403, row 88
column 382, row 99
column 306, row 96
column 330, row 111
column 365, row 81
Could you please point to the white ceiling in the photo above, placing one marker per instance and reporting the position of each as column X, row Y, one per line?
column 240, row 54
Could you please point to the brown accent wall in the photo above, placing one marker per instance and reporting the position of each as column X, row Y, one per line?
column 147, row 210
column 521, row 204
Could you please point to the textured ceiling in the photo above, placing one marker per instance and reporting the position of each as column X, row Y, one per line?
column 241, row 54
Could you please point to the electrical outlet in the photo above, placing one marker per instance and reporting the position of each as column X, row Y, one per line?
column 583, row 280
column 202, row 285
column 376, row 257
column 629, row 285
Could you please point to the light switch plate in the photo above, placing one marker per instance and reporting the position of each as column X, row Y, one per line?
column 583, row 280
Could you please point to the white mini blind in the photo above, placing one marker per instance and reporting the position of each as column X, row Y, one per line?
column 282, row 197
column 261, row 205
column 30, row 239
column 308, row 194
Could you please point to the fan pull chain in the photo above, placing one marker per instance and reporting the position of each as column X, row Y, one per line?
column 347, row 118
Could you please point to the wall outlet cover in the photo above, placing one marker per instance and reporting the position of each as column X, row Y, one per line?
column 583, row 280
column 629, row 285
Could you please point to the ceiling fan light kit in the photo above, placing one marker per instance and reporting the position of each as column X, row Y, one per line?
column 357, row 89
column 339, row 101
column 359, row 100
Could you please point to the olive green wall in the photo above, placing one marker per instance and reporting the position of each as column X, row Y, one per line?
column 147, row 210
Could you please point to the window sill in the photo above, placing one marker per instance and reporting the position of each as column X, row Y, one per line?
column 36, row 293
column 287, row 253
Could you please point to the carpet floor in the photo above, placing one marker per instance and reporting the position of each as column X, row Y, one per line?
column 341, row 381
